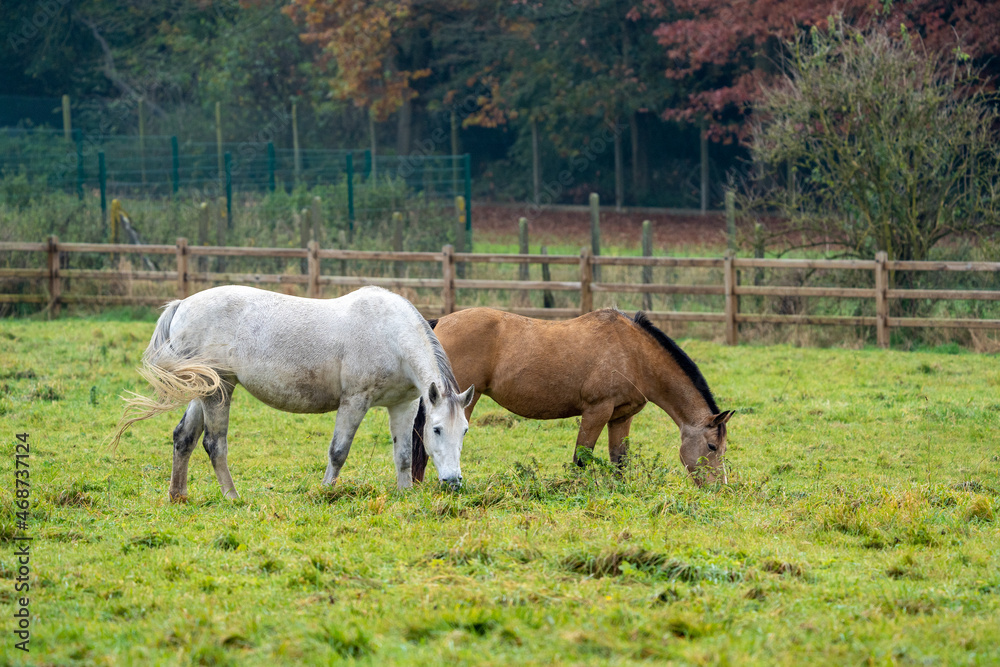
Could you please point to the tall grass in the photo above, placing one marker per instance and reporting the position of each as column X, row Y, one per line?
column 860, row 525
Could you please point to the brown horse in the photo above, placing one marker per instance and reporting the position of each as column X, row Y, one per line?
column 602, row 366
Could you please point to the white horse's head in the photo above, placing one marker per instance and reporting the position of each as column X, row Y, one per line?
column 444, row 430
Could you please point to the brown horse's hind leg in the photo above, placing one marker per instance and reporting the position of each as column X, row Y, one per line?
column 617, row 440
column 592, row 422
column 185, row 438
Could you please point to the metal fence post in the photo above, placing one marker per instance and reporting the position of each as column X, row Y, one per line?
column 78, row 138
column 102, row 179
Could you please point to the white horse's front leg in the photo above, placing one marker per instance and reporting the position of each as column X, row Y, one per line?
column 349, row 415
column 401, row 426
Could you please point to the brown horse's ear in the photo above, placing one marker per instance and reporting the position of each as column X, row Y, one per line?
column 722, row 417
column 432, row 394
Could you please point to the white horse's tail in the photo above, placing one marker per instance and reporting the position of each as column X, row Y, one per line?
column 175, row 379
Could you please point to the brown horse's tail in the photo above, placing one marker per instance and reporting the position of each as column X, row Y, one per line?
column 175, row 380
column 418, row 461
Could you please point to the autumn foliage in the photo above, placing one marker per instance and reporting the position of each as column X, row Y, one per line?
column 722, row 52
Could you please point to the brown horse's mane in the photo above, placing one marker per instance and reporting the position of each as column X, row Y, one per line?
column 683, row 360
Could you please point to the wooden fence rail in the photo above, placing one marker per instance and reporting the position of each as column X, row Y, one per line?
column 449, row 283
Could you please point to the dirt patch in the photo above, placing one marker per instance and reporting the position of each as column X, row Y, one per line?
column 498, row 223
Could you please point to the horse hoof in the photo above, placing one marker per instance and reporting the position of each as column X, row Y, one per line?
column 179, row 498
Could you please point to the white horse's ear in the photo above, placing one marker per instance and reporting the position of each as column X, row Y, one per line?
column 466, row 397
column 432, row 394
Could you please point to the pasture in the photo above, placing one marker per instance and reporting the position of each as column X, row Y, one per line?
column 860, row 525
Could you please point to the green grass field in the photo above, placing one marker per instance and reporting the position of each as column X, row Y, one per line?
column 860, row 525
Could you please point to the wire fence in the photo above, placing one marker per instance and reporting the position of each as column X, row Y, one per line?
column 159, row 168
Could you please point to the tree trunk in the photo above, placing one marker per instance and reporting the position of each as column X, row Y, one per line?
column 640, row 177
column 371, row 133
column 704, row 167
column 405, row 127
column 619, row 169
column 536, row 168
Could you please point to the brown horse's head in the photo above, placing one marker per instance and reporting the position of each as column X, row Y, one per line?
column 703, row 447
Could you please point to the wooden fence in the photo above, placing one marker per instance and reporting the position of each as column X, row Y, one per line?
column 450, row 281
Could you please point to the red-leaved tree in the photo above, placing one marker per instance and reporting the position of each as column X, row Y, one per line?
column 722, row 52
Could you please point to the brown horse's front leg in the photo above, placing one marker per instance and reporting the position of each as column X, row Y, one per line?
column 592, row 421
column 617, row 440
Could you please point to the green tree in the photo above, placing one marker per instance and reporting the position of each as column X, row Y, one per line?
column 872, row 143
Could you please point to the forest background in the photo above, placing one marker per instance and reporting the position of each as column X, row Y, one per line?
column 553, row 100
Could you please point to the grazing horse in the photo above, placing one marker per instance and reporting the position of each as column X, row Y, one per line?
column 368, row 348
column 603, row 366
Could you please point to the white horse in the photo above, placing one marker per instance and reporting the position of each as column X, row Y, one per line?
column 370, row 347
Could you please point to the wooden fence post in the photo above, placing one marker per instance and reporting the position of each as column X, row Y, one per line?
column 460, row 205
column 595, row 231
column 182, row 268
column 316, row 213
column 55, row 282
column 448, row 273
column 305, row 233
column 522, row 247
column 730, row 220
column 586, row 277
column 221, row 225
column 732, row 305
column 204, row 214
column 312, row 290
column 398, row 268
column 881, row 299
column 647, row 271
column 548, row 301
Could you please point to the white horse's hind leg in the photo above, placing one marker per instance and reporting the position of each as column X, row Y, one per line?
column 216, row 443
column 349, row 415
column 185, row 439
column 401, row 426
